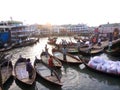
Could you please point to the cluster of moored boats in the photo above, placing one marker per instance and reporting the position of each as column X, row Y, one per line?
column 99, row 64
column 86, row 49
column 42, row 69
column 23, row 43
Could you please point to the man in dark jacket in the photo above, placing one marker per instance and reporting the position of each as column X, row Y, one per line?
column 29, row 68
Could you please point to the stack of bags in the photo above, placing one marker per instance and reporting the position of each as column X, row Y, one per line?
column 107, row 66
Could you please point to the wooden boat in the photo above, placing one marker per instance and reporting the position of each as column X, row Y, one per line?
column 105, row 44
column 52, row 42
column 21, row 74
column 73, row 50
column 69, row 45
column 52, row 38
column 70, row 58
column 113, row 51
column 7, row 48
column 56, row 62
column 26, row 43
column 44, row 71
column 70, row 50
column 92, row 51
column 85, row 62
column 6, row 68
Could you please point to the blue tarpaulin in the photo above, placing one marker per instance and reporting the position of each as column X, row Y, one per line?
column 4, row 37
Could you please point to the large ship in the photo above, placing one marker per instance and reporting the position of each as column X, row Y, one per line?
column 13, row 32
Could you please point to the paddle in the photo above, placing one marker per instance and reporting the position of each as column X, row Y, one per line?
column 56, row 74
column 82, row 66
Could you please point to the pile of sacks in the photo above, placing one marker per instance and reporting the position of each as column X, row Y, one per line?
column 101, row 64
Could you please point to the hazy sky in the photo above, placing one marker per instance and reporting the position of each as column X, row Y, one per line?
column 90, row 12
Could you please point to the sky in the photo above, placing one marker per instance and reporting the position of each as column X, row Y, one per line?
column 57, row 12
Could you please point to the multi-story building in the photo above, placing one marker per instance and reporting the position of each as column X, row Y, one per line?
column 71, row 29
column 55, row 29
column 77, row 29
column 109, row 28
column 33, row 30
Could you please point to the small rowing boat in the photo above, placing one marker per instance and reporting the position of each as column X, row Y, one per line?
column 21, row 74
column 45, row 72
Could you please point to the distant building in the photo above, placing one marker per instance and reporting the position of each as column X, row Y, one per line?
column 56, row 29
column 70, row 29
column 109, row 28
column 77, row 29
column 33, row 30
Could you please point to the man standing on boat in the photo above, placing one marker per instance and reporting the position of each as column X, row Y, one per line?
column 51, row 65
column 46, row 50
column 29, row 68
column 64, row 43
column 78, row 44
column 64, row 50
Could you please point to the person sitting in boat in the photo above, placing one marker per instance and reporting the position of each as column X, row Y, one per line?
column 46, row 50
column 29, row 68
column 51, row 64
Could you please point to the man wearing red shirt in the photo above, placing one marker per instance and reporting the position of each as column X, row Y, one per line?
column 50, row 61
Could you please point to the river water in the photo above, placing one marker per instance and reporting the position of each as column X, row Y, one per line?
column 75, row 77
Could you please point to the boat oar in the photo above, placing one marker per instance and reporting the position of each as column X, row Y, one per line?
column 82, row 66
column 56, row 74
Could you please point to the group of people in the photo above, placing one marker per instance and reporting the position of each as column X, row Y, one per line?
column 29, row 66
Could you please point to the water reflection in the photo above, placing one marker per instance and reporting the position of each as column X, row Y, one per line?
column 47, row 85
column 70, row 77
column 101, row 78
